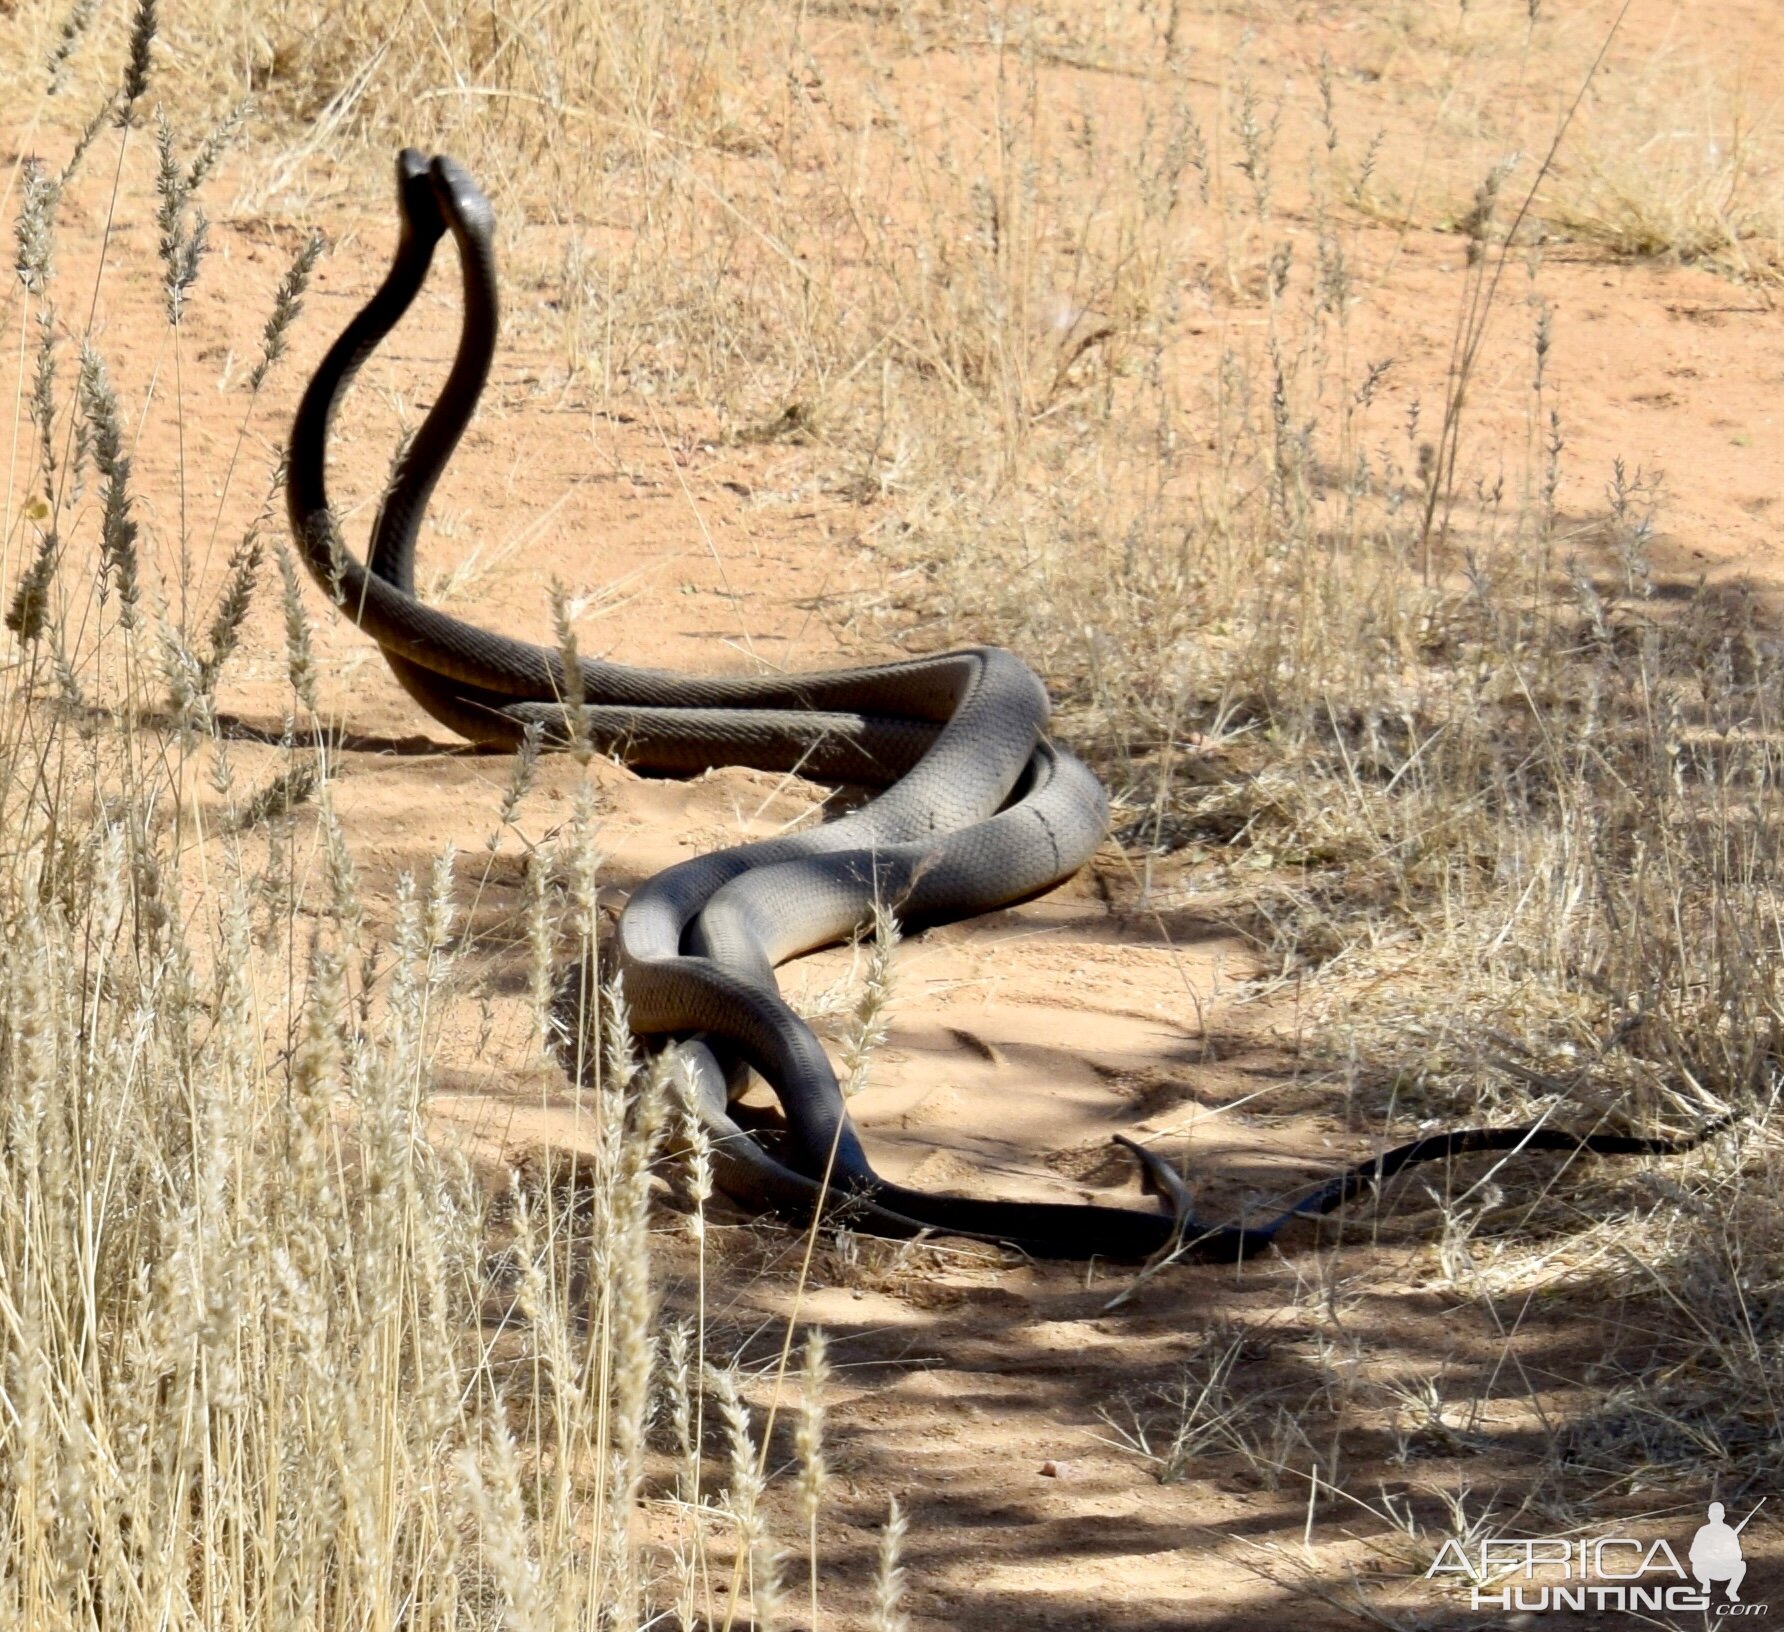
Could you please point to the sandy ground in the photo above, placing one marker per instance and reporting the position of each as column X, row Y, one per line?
column 990, row 1395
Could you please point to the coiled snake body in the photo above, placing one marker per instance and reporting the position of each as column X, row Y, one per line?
column 978, row 810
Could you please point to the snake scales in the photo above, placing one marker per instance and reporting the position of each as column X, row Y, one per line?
column 978, row 810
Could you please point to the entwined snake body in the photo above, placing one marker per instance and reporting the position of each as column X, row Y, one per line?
column 978, row 811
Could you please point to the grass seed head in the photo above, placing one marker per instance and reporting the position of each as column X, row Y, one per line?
column 143, row 24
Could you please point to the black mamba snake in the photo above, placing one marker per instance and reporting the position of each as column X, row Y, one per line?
column 978, row 811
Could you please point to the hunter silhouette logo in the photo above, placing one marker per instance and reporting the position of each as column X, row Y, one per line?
column 1716, row 1552
column 1526, row 1573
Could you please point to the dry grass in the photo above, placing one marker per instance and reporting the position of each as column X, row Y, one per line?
column 1502, row 803
column 271, row 1358
column 1680, row 164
